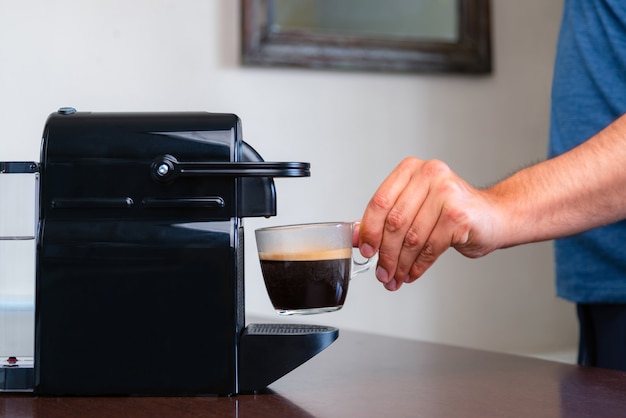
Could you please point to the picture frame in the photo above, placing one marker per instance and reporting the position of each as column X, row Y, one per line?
column 263, row 45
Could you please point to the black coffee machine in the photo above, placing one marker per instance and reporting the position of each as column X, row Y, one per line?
column 140, row 259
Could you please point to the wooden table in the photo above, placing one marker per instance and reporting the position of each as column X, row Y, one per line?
column 363, row 375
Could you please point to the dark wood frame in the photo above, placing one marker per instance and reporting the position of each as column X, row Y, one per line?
column 471, row 54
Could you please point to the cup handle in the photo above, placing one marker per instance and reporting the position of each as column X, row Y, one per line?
column 360, row 267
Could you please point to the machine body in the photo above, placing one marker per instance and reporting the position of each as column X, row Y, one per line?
column 140, row 263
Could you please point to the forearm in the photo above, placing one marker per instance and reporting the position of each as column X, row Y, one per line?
column 579, row 190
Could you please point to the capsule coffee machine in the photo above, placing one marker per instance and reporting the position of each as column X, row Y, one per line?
column 139, row 286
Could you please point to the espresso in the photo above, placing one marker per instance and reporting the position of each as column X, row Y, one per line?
column 307, row 281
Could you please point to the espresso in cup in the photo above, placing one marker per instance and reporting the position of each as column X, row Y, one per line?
column 307, row 268
column 328, row 274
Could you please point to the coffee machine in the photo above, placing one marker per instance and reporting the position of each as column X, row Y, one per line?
column 139, row 260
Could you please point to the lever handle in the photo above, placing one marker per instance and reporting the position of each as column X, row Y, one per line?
column 166, row 168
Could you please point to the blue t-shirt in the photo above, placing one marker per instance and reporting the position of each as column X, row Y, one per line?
column 588, row 93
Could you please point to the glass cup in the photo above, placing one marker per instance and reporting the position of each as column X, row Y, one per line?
column 307, row 267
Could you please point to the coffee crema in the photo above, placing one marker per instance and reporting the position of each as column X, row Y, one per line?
column 307, row 255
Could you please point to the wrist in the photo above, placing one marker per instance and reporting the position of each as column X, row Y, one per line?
column 511, row 216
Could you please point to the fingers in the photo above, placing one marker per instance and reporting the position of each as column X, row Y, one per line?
column 407, row 226
column 374, row 220
column 388, row 216
column 426, row 239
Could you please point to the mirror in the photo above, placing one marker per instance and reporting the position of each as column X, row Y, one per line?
column 391, row 35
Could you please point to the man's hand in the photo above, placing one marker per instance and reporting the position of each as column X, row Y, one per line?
column 421, row 209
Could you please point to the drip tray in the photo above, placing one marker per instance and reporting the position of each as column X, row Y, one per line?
column 269, row 351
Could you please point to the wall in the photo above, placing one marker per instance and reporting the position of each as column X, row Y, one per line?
column 354, row 128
